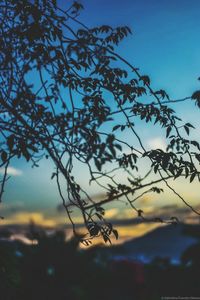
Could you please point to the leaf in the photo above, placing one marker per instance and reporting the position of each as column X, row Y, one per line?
column 196, row 144
column 118, row 146
column 116, row 127
column 10, row 142
column 187, row 130
column 196, row 95
column 178, row 174
column 156, row 168
column 105, row 238
column 162, row 93
column 77, row 5
column 26, row 154
column 192, row 177
column 100, row 209
column 115, row 232
column 99, row 216
column 189, row 125
column 53, row 175
column 169, row 129
column 93, row 229
column 156, row 190
column 4, row 156
column 97, row 164
column 140, row 212
column 145, row 79
column 197, row 156
column 112, row 150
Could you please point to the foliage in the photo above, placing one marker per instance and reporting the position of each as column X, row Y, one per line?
column 67, row 96
column 56, row 268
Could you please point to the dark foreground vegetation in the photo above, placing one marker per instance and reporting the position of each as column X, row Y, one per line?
column 57, row 269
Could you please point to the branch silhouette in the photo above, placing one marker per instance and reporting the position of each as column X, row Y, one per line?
column 65, row 96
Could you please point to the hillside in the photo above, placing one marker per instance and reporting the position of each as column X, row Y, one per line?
column 168, row 241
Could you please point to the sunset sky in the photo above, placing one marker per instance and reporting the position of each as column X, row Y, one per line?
column 165, row 45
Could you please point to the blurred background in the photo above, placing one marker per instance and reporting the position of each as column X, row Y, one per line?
column 48, row 265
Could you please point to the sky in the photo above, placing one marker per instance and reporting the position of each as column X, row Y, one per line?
column 165, row 45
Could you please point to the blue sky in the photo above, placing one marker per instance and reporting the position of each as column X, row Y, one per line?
column 165, row 45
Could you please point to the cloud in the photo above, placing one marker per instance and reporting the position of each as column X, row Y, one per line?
column 12, row 207
column 129, row 217
column 11, row 171
column 111, row 213
column 23, row 218
column 145, row 200
column 157, row 143
column 130, row 232
column 183, row 213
